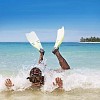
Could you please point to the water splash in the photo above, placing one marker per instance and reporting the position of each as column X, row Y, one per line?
column 74, row 78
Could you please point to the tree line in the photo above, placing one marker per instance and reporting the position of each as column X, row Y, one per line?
column 91, row 39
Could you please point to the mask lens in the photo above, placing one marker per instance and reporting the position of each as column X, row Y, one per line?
column 35, row 79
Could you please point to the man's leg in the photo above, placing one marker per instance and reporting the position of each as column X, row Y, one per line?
column 41, row 55
column 63, row 63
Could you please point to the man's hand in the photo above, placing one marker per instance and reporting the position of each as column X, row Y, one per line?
column 58, row 83
column 8, row 83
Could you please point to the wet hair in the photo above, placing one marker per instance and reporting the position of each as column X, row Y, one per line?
column 36, row 76
column 36, row 71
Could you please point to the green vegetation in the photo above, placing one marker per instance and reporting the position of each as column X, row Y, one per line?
column 91, row 39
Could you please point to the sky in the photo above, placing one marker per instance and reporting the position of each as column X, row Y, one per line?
column 80, row 18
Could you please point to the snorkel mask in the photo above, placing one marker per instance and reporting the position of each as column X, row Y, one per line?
column 36, row 76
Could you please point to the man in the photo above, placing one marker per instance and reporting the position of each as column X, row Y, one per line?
column 36, row 77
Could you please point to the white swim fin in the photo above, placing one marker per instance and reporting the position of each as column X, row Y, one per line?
column 34, row 40
column 60, row 37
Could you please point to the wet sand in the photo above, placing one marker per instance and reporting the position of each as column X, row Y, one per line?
column 76, row 94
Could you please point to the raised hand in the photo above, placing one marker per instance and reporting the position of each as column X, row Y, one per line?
column 8, row 83
column 58, row 83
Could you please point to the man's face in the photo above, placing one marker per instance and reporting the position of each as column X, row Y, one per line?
column 36, row 80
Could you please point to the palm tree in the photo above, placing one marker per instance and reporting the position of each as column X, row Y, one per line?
column 91, row 39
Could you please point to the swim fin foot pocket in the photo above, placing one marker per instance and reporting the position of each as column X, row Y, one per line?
column 55, row 50
column 42, row 51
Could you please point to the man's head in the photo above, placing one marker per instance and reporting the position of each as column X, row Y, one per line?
column 36, row 77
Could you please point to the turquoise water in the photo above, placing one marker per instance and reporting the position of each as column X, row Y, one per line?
column 16, row 60
column 14, row 56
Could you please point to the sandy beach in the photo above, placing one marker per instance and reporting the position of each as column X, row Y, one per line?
column 76, row 94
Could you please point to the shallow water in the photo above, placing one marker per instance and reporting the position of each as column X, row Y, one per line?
column 82, row 82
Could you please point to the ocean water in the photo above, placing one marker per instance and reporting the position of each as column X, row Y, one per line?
column 81, row 82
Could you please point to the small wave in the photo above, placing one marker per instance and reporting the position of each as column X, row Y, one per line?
column 72, row 79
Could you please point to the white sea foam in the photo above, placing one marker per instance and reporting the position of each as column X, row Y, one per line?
column 73, row 78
